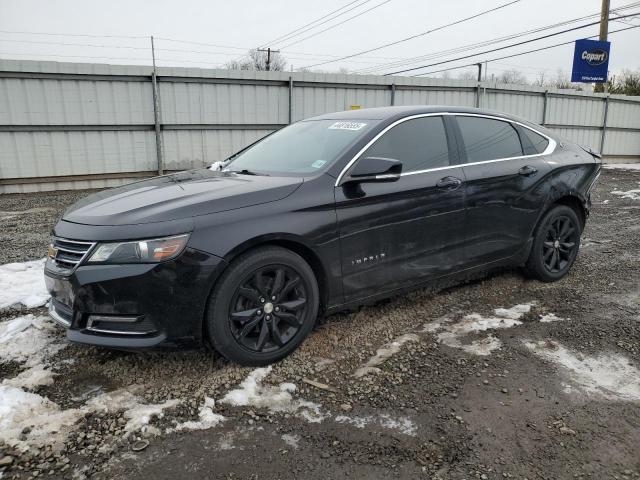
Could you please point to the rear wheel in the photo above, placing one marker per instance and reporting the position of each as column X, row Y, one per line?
column 263, row 307
column 555, row 244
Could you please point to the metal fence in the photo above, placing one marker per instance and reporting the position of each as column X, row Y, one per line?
column 69, row 125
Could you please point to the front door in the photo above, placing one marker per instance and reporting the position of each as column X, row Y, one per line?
column 399, row 233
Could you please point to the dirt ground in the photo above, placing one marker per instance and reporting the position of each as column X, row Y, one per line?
column 546, row 388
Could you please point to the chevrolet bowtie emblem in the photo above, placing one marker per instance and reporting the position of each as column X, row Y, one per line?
column 52, row 252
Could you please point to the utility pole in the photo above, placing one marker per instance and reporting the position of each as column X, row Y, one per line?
column 604, row 20
column 479, row 71
column 604, row 31
column 156, row 110
column 268, row 50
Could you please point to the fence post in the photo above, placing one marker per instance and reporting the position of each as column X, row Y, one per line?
column 290, row 99
column 544, row 107
column 156, row 112
column 604, row 124
column 393, row 94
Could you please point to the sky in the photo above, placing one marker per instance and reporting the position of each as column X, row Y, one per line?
column 221, row 31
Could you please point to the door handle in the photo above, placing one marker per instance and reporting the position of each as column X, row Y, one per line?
column 527, row 170
column 449, row 183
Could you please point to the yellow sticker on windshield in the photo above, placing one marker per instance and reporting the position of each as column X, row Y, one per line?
column 347, row 126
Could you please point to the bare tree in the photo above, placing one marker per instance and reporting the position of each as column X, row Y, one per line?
column 561, row 80
column 626, row 83
column 467, row 75
column 541, row 80
column 257, row 60
column 512, row 76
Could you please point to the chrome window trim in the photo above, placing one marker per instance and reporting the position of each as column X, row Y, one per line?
column 550, row 147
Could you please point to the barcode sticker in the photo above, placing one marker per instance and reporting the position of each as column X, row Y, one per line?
column 347, row 126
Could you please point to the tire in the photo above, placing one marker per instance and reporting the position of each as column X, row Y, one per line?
column 263, row 307
column 556, row 242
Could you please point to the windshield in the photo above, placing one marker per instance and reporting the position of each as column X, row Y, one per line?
column 301, row 148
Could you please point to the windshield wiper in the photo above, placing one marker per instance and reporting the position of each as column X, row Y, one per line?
column 244, row 171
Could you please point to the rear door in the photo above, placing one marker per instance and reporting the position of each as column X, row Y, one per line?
column 504, row 170
column 399, row 233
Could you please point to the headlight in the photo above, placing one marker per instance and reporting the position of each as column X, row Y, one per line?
column 140, row 251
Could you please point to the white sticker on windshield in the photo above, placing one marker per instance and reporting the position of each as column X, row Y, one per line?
column 347, row 126
column 318, row 163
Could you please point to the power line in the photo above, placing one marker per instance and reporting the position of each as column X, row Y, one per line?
column 579, row 27
column 417, row 35
column 72, row 44
column 146, row 37
column 188, row 42
column 520, row 53
column 286, row 35
column 75, row 56
column 338, row 24
column 475, row 45
column 472, row 46
column 202, row 43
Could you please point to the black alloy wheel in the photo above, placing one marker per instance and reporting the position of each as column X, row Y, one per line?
column 268, row 309
column 560, row 244
column 556, row 242
column 263, row 306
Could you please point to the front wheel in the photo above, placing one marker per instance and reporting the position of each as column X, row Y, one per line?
column 555, row 244
column 263, row 307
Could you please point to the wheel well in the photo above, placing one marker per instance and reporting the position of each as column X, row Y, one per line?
column 306, row 253
column 574, row 203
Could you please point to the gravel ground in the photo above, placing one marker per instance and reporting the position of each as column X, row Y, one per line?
column 433, row 409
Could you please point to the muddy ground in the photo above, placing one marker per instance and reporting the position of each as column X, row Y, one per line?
column 553, row 397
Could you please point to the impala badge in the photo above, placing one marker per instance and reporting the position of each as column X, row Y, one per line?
column 369, row 259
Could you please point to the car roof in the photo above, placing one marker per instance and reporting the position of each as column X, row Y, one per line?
column 394, row 113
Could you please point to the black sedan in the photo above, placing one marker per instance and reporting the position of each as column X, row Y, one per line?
column 324, row 215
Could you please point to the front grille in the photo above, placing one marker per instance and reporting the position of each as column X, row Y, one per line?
column 67, row 254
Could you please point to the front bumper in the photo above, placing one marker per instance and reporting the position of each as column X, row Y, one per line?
column 135, row 306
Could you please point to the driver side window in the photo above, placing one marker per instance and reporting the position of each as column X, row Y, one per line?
column 419, row 144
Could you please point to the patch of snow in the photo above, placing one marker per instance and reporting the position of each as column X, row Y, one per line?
column 29, row 379
column 515, row 312
column 274, row 398
column 208, row 419
column 631, row 194
column 138, row 414
column 28, row 339
column 450, row 333
column 550, row 317
column 384, row 354
column 610, row 376
column 400, row 424
column 23, row 284
column 291, row 440
column 482, row 347
column 49, row 424
column 621, row 166
column 218, row 166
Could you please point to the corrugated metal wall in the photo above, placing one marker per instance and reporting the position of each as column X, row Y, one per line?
column 68, row 125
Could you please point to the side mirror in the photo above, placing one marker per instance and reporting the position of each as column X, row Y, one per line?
column 375, row 169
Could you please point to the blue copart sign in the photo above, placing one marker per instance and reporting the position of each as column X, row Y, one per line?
column 590, row 61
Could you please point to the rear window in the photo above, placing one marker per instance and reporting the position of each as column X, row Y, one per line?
column 533, row 142
column 488, row 139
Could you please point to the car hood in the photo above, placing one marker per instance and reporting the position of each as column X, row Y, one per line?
column 181, row 195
